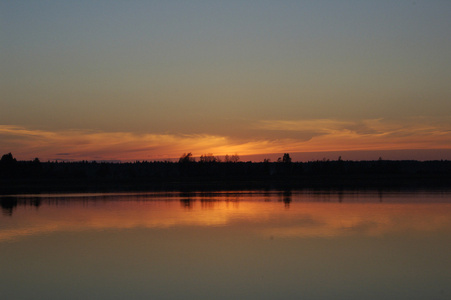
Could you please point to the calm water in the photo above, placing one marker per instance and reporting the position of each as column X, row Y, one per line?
column 226, row 245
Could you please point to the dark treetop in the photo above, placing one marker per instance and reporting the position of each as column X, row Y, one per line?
column 35, row 176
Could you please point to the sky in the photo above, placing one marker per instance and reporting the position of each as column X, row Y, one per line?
column 151, row 80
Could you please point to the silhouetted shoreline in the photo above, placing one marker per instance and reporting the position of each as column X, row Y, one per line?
column 38, row 177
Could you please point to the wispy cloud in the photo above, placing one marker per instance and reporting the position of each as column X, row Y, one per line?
column 412, row 125
column 86, row 144
column 319, row 126
column 323, row 135
column 369, row 134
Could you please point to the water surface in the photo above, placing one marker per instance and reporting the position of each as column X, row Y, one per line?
column 227, row 245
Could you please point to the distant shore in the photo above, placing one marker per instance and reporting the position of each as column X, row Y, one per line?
column 22, row 177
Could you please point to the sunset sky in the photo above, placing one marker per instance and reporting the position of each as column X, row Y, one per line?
column 145, row 80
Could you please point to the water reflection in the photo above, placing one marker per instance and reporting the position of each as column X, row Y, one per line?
column 9, row 203
column 228, row 245
column 208, row 199
column 186, row 203
column 300, row 215
column 287, row 195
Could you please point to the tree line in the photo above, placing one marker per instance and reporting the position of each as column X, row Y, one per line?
column 209, row 170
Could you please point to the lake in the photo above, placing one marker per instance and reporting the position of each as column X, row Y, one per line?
column 227, row 245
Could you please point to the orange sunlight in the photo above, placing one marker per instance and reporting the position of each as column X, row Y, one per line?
column 297, row 219
column 326, row 135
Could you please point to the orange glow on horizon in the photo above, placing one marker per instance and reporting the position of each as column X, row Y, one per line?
column 326, row 135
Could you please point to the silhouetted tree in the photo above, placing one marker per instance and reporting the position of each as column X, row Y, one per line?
column 232, row 158
column 186, row 158
column 8, row 159
column 8, row 166
column 286, row 158
column 208, row 158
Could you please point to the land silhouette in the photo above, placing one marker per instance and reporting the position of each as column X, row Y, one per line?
column 210, row 173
